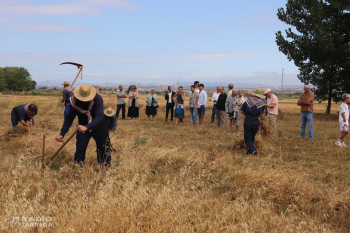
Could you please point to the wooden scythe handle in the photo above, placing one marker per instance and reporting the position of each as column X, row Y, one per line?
column 80, row 70
column 59, row 149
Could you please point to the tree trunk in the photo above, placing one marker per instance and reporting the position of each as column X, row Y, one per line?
column 329, row 100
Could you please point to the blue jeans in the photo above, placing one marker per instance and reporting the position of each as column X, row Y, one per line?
column 194, row 115
column 213, row 114
column 66, row 108
column 250, row 130
column 307, row 117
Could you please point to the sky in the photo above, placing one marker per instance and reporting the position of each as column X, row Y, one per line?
column 146, row 41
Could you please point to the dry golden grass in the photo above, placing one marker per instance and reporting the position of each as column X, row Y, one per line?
column 176, row 179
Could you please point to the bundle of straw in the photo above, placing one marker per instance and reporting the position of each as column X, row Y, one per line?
column 265, row 128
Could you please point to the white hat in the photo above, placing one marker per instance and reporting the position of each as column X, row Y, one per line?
column 268, row 90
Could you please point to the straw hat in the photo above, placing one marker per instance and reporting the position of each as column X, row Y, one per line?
column 85, row 92
column 109, row 112
column 66, row 83
column 259, row 92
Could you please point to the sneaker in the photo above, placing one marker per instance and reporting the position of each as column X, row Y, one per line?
column 343, row 144
column 338, row 143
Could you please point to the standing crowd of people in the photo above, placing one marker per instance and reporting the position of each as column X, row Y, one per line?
column 228, row 109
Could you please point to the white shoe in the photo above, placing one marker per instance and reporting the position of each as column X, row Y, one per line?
column 338, row 143
column 343, row 144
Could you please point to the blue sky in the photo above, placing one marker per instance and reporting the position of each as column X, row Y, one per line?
column 159, row 41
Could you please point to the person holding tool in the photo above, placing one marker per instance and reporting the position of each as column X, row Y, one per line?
column 88, row 106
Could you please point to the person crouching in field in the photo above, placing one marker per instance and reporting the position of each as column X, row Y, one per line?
column 252, row 108
column 23, row 114
column 88, row 106
column 67, row 93
column 343, row 120
column 111, row 119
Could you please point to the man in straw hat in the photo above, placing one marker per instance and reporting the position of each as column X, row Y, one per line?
column 88, row 106
column 252, row 108
column 111, row 119
column 67, row 93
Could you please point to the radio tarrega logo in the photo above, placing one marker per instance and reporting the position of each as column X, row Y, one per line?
column 31, row 221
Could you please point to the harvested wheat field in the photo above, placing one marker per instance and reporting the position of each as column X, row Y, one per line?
column 175, row 179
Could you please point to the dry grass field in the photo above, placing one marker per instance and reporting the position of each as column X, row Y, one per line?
column 175, row 179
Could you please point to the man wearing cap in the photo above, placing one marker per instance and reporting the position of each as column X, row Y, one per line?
column 88, row 106
column 306, row 101
column 67, row 93
column 272, row 109
column 111, row 119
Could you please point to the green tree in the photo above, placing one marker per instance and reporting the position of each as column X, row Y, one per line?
column 18, row 78
column 320, row 47
column 3, row 83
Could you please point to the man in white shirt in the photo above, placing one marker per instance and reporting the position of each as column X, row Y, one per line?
column 214, row 99
column 120, row 101
column 201, row 104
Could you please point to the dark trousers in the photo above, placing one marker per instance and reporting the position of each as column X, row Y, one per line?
column 14, row 118
column 250, row 130
column 66, row 108
column 169, row 106
column 103, row 157
column 121, row 106
column 213, row 114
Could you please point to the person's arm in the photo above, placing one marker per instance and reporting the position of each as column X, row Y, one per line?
column 147, row 101
column 167, row 95
column 243, row 109
column 344, row 117
column 174, row 97
column 226, row 105
column 183, row 97
column 98, row 114
column 136, row 95
column 299, row 101
column 156, row 98
column 64, row 95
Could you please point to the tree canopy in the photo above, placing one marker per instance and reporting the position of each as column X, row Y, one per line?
column 320, row 47
column 16, row 78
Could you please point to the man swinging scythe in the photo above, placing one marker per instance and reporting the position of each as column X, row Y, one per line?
column 88, row 106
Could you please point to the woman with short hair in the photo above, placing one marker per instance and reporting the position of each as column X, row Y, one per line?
column 151, row 105
column 179, row 100
column 133, row 110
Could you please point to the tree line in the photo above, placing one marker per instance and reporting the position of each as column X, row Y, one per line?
column 16, row 79
column 318, row 42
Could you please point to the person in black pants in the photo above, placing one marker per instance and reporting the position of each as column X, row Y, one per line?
column 120, row 101
column 169, row 103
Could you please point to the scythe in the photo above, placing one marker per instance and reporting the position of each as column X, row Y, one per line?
column 80, row 67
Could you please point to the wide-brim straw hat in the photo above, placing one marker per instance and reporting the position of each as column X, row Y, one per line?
column 66, row 83
column 109, row 112
column 85, row 92
column 259, row 92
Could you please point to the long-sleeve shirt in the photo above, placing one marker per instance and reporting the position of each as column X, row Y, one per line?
column 96, row 114
column 215, row 97
column 202, row 99
column 251, row 113
column 149, row 98
column 220, row 106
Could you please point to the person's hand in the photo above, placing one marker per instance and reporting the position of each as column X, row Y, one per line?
column 197, row 96
column 226, row 112
column 215, row 101
column 62, row 100
column 195, row 106
column 167, row 93
column 59, row 138
column 81, row 128
column 147, row 101
column 29, row 124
